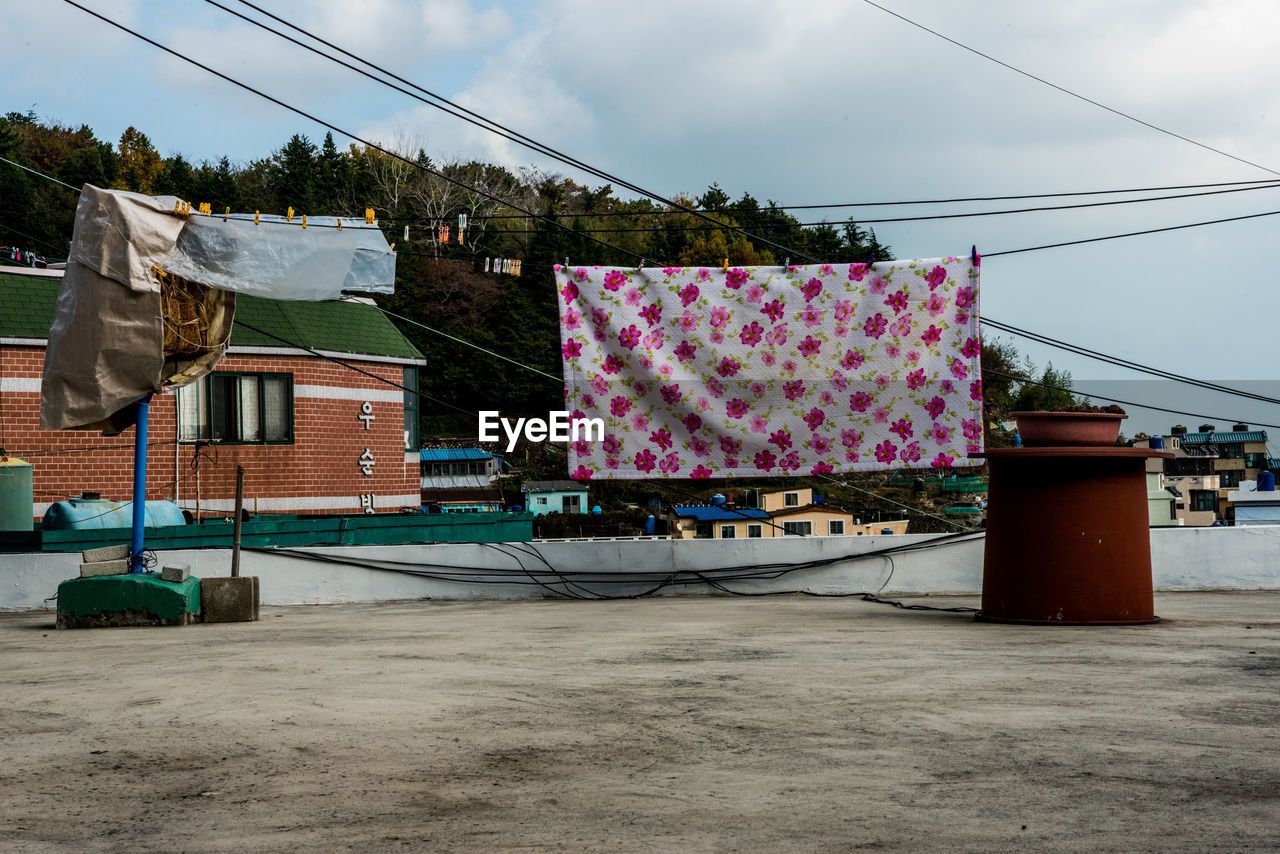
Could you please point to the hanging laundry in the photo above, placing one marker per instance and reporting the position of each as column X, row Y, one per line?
column 773, row 371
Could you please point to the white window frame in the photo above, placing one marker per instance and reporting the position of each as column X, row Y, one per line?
column 755, row 532
column 835, row 527
column 728, row 532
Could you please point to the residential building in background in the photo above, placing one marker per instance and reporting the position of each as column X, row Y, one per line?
column 313, row 435
column 554, row 496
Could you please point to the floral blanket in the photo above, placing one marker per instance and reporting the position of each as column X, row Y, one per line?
column 706, row 372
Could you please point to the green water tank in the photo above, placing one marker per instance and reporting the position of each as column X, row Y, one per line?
column 16, row 495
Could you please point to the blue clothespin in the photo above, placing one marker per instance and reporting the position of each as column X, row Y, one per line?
column 974, row 258
column 871, row 262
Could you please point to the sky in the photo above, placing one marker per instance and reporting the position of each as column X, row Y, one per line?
column 798, row 102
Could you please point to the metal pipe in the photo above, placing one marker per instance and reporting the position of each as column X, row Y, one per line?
column 139, row 485
column 235, row 537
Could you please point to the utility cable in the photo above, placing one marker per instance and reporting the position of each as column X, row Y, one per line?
column 898, row 503
column 770, row 207
column 32, row 237
column 310, row 117
column 1079, row 393
column 41, row 174
column 880, row 221
column 1125, row 363
column 514, row 136
column 1127, row 234
column 466, row 343
column 1066, row 91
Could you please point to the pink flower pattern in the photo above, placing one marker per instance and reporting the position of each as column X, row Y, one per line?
column 739, row 395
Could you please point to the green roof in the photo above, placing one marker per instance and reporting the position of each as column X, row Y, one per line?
column 27, row 305
column 343, row 327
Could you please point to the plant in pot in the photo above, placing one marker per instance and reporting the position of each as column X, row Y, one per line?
column 1078, row 424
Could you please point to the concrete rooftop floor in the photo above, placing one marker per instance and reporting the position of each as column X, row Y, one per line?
column 692, row 724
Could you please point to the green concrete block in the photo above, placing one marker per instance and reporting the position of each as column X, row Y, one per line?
column 142, row 599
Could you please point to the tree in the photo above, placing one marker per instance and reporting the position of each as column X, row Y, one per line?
column 140, row 163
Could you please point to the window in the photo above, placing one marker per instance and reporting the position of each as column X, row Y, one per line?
column 1230, row 478
column 1254, row 460
column 571, row 504
column 835, row 528
column 728, row 532
column 790, row 499
column 411, row 436
column 237, row 409
column 702, row 530
column 541, row 499
column 755, row 531
column 799, row 529
column 1204, row 499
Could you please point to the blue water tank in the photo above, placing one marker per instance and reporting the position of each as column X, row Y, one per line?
column 596, row 510
column 888, row 531
column 1266, row 482
column 718, row 499
column 86, row 513
column 517, row 508
column 1157, row 443
column 819, row 499
column 651, row 525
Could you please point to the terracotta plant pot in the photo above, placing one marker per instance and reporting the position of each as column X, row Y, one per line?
column 1043, row 429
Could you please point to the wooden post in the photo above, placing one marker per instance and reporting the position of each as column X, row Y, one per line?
column 235, row 537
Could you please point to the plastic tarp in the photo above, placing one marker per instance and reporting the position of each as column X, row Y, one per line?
column 106, row 345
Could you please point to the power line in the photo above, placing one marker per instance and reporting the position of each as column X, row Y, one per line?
column 776, row 207
column 1111, row 399
column 501, row 130
column 468, row 344
column 31, row 237
column 335, row 128
column 1066, row 91
column 41, row 174
column 878, row 221
column 1126, row 363
column 1128, row 234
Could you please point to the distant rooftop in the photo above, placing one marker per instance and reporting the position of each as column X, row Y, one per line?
column 718, row 514
column 1226, row 437
column 553, row 486
column 447, row 455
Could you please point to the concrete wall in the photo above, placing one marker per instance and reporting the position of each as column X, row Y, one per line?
column 1182, row 559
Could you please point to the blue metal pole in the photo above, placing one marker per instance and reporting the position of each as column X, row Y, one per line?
column 139, row 486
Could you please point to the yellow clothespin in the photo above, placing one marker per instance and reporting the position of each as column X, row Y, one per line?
column 304, row 220
column 288, row 217
column 726, row 266
column 255, row 217
column 392, row 249
column 368, row 215
column 206, row 208
column 226, row 214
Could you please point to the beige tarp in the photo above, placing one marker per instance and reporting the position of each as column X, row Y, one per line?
column 126, row 323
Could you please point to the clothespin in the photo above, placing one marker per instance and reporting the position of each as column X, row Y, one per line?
column 226, row 214
column 726, row 266
column 462, row 221
column 406, row 234
column 787, row 263
column 460, row 234
column 974, row 258
column 304, row 220
column 255, row 217
column 206, row 208
column 391, row 250
column 486, row 263
column 566, row 260
column 871, row 261
column 641, row 267
column 368, row 216
column 339, row 223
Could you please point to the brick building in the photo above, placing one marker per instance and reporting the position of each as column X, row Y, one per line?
column 313, row 435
